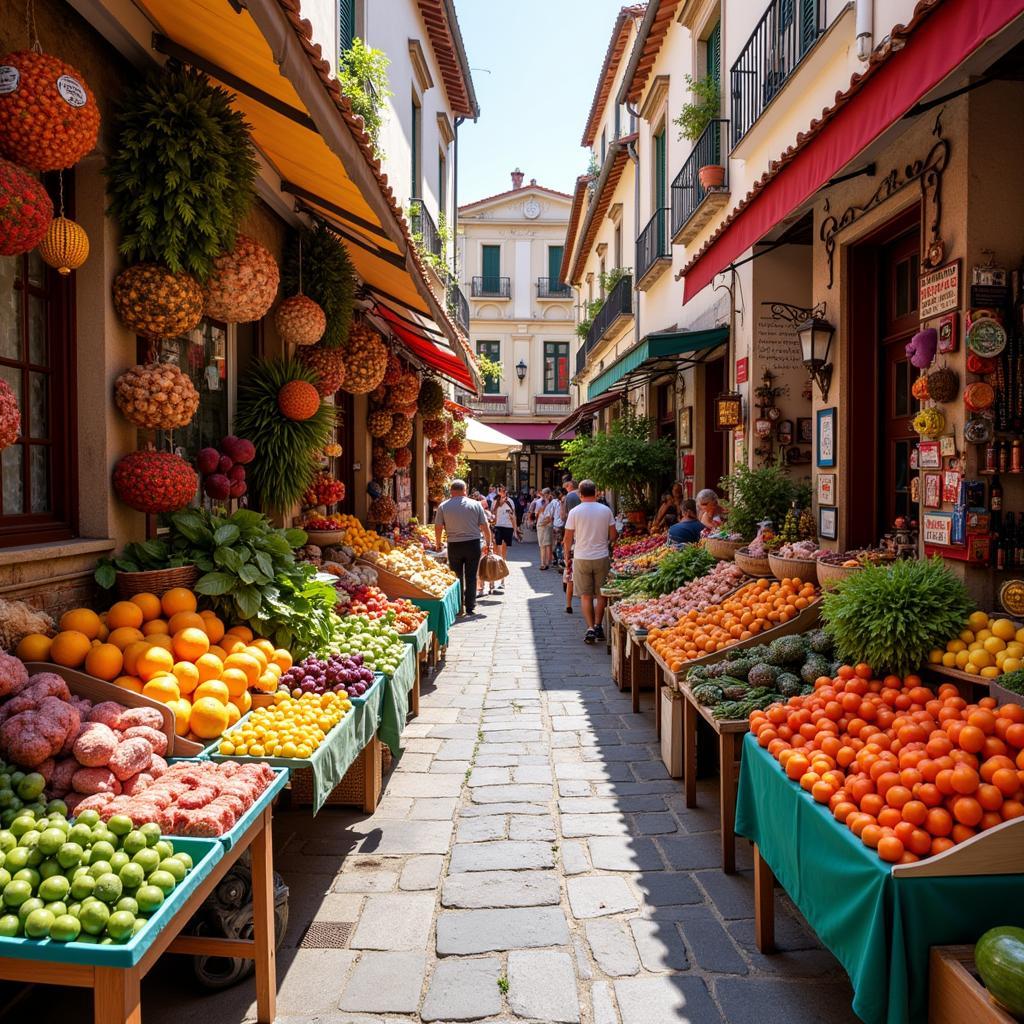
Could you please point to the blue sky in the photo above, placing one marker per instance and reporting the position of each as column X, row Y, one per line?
column 535, row 65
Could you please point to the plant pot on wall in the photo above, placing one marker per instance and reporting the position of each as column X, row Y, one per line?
column 711, row 176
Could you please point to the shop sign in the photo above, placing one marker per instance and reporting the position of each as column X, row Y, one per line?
column 929, row 455
column 742, row 370
column 940, row 291
column 936, row 527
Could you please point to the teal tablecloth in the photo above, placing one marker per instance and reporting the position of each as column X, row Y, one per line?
column 441, row 611
column 878, row 926
column 420, row 637
column 395, row 701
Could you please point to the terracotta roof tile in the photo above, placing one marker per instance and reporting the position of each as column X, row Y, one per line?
column 575, row 212
column 612, row 59
column 446, row 41
column 657, row 21
column 512, row 192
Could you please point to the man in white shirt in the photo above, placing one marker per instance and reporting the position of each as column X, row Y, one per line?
column 589, row 531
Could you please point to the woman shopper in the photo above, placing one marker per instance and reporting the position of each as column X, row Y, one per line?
column 671, row 509
column 545, row 527
column 505, row 526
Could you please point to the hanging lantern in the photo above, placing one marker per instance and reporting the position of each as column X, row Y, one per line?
column 65, row 246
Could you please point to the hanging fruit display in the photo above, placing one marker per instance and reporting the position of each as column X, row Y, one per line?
column 298, row 400
column 409, row 411
column 919, row 389
column 943, row 385
column 431, row 398
column 243, row 284
column 448, row 464
column 930, row 422
column 300, row 321
column 317, row 265
column 199, row 151
column 378, row 423
column 287, row 450
column 48, row 115
column 10, row 416
column 455, row 445
column 327, row 363
column 405, row 390
column 383, row 510
column 156, row 396
column 433, row 428
column 332, row 450
column 393, row 373
column 384, row 465
column 154, row 482
column 25, row 210
column 65, row 246
column 366, row 359
column 403, row 458
column 152, row 301
column 400, row 433
column 223, row 469
column 324, row 489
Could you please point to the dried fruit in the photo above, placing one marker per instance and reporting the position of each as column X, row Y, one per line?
column 433, row 428
column 378, row 422
column 431, row 398
column 384, row 465
column 327, row 363
column 243, row 284
column 25, row 210
column 152, row 301
column 298, row 400
column 366, row 359
column 300, row 321
column 383, row 510
column 394, row 371
column 10, row 416
column 239, row 449
column 400, row 433
column 455, row 445
column 403, row 458
column 154, row 482
column 156, row 396
column 405, row 390
column 48, row 119
column 448, row 463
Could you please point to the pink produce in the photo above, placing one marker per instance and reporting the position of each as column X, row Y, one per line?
column 131, row 757
column 108, row 712
column 63, row 773
column 207, row 461
column 225, row 463
column 668, row 609
column 157, row 766
column 217, row 486
column 238, row 488
column 136, row 784
column 95, row 780
column 36, row 734
column 95, row 744
column 154, row 737
column 130, row 717
column 13, row 675
column 238, row 448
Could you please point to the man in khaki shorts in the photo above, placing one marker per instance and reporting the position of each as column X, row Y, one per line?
column 589, row 530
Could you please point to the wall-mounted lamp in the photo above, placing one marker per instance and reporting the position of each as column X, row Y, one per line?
column 728, row 410
column 521, row 370
column 816, row 342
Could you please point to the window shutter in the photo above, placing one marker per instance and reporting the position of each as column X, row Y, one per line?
column 346, row 24
column 714, row 54
column 808, row 24
column 554, row 265
column 492, row 266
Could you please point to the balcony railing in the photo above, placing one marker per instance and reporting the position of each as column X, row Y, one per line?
column 549, row 288
column 652, row 246
column 486, row 405
column 551, row 405
column 687, row 191
column 458, row 305
column 618, row 303
column 424, row 228
column 786, row 31
column 491, row 288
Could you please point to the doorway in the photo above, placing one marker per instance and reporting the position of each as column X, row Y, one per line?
column 715, row 441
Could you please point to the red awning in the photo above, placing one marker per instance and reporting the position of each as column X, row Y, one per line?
column 429, row 352
column 938, row 45
column 524, row 431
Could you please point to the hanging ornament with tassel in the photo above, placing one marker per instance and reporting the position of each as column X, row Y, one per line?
column 65, row 246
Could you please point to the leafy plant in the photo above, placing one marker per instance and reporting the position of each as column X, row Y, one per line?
column 625, row 458
column 139, row 557
column 182, row 172
column 437, row 261
column 763, row 493
column 326, row 275
column 286, row 450
column 363, row 79
column 490, row 369
column 891, row 617
column 607, row 281
column 674, row 571
column 696, row 116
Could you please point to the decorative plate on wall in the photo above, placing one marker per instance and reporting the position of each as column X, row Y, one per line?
column 987, row 337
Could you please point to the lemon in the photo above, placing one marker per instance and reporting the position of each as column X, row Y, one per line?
column 962, row 658
column 226, row 748
column 935, row 656
column 971, row 669
column 993, row 644
column 980, row 659
column 949, row 659
column 956, row 645
column 1011, row 664
column 967, row 636
column 990, row 672
column 982, row 634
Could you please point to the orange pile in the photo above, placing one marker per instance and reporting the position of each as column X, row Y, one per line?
column 910, row 772
column 757, row 607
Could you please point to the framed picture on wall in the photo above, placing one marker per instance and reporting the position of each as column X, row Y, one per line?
column 827, row 437
column 929, row 455
column 951, row 485
column 932, row 495
column 804, row 430
column 828, row 518
column 826, row 488
column 686, row 427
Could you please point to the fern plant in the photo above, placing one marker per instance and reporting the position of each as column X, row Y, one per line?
column 286, row 450
column 182, row 172
column 326, row 275
column 890, row 617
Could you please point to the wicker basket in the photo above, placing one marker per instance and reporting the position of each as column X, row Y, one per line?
column 349, row 791
column 751, row 564
column 325, row 538
column 156, row 581
column 723, row 549
column 805, row 569
column 829, row 574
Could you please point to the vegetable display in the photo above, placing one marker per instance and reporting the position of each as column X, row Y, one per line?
column 414, row 565
column 378, row 643
column 289, row 728
column 999, row 958
column 675, row 570
column 667, row 610
column 337, row 673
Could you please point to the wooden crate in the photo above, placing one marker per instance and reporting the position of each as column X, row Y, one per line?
column 620, row 664
column 955, row 994
column 355, row 788
column 672, row 731
column 395, row 586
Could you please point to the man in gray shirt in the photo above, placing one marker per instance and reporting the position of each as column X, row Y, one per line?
column 463, row 520
column 572, row 496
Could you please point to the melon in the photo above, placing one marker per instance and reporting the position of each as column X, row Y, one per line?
column 999, row 957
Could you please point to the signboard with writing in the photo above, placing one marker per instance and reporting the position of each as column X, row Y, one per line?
column 940, row 291
column 935, row 527
column 742, row 370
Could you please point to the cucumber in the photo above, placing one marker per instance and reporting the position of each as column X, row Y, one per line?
column 999, row 957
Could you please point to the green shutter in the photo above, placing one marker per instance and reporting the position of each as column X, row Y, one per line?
column 808, row 24
column 492, row 350
column 492, row 268
column 346, row 24
column 442, row 186
column 554, row 265
column 660, row 174
column 714, row 54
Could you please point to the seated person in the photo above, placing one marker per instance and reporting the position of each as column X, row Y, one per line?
column 669, row 510
column 689, row 528
column 710, row 512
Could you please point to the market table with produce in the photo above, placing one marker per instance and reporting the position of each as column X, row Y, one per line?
column 441, row 612
column 878, row 922
column 395, row 701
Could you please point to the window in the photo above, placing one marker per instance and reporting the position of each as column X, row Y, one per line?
column 442, row 186
column 713, row 53
column 618, row 120
column 618, row 246
column 492, row 351
column 554, row 266
column 556, row 367
column 417, row 133
column 346, row 24
column 658, row 200
column 601, row 280
column 604, row 147
column 37, row 359
column 491, row 259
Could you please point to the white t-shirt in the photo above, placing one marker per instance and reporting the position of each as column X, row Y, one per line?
column 589, row 521
column 546, row 515
column 504, row 513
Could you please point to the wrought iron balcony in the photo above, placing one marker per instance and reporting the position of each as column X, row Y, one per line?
column 488, row 405
column 688, row 194
column 653, row 250
column 551, row 405
column 424, row 230
column 491, row 288
column 458, row 305
column 617, row 308
column 786, row 31
column 549, row 288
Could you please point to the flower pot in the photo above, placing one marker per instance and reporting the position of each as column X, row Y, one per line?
column 711, row 176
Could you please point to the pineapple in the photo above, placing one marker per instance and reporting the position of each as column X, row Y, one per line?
column 808, row 527
column 790, row 532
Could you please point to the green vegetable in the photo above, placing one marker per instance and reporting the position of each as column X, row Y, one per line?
column 675, row 570
column 999, row 957
column 763, row 493
column 891, row 616
column 140, row 557
column 732, row 710
column 1013, row 681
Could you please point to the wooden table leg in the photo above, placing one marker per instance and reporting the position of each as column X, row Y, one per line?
column 727, row 798
column 764, row 904
column 414, row 696
column 371, row 775
column 658, row 683
column 634, row 681
column 263, row 922
column 116, row 996
column 690, row 751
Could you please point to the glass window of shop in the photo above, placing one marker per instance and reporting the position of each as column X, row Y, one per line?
column 556, row 368
column 490, row 350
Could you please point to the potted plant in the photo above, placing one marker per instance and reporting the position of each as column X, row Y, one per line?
column 623, row 459
column 694, row 119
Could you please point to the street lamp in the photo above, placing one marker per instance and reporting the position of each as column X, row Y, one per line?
column 815, row 343
column 521, row 370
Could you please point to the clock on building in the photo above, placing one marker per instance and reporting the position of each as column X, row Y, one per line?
column 531, row 209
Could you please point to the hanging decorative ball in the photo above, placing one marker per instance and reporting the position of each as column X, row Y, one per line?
column 154, row 482
column 433, row 428
column 919, row 389
column 978, row 396
column 332, row 450
column 405, row 390
column 10, row 416
column 403, row 458
column 48, row 115
column 25, row 210
column 400, row 433
column 298, row 400
column 409, row 411
column 152, row 301
column 394, row 371
column 378, row 423
column 431, row 398
column 366, row 359
column 243, row 285
column 300, row 321
column 65, row 246
column 327, row 363
column 943, row 385
column 383, row 510
column 156, row 396
column 930, row 422
column 384, row 464
column 449, row 464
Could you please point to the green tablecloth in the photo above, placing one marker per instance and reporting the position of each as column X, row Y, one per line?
column 395, row 701
column 420, row 637
column 441, row 611
column 878, row 926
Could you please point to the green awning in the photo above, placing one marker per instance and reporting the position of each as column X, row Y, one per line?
column 657, row 353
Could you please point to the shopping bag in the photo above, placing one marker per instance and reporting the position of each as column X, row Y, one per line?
column 492, row 568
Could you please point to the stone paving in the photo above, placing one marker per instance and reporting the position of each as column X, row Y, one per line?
column 530, row 860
